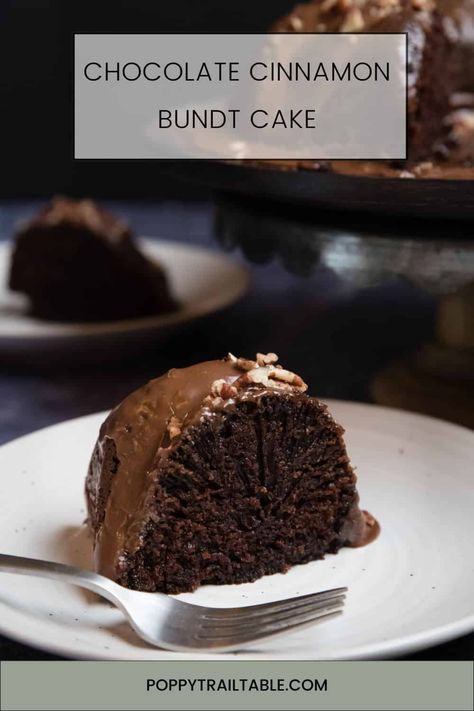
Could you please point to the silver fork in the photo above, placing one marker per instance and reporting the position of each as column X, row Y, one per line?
column 183, row 627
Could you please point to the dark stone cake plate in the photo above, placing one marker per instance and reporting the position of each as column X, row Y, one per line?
column 418, row 197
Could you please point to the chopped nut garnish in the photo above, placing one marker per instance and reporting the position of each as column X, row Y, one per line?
column 462, row 122
column 257, row 375
column 213, row 402
column 263, row 371
column 245, row 364
column 271, row 377
column 296, row 23
column 353, row 22
column 287, row 376
column 266, row 359
column 461, row 100
column 221, row 388
column 174, row 427
column 459, row 141
column 423, row 167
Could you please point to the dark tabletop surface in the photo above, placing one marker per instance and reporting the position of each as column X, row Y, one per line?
column 336, row 337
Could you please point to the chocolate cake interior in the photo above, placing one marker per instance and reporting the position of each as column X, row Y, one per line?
column 247, row 494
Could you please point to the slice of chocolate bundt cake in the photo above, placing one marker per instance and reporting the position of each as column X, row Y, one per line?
column 77, row 262
column 220, row 473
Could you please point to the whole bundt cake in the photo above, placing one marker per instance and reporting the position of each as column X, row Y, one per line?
column 440, row 37
column 220, row 473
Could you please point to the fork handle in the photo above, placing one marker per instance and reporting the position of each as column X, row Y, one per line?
column 65, row 573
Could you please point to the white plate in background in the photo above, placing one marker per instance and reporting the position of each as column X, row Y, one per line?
column 412, row 588
column 202, row 281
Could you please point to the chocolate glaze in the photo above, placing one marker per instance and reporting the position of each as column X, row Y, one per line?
column 138, row 428
column 136, row 436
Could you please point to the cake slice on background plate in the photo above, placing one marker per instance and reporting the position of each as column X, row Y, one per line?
column 77, row 262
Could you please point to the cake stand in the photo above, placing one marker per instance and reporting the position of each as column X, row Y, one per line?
column 326, row 190
column 364, row 249
column 368, row 231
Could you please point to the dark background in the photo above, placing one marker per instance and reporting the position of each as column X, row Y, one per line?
column 36, row 87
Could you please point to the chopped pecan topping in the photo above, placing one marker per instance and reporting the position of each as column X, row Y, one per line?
column 424, row 167
column 296, row 23
column 353, row 22
column 221, row 388
column 174, row 427
column 271, row 377
column 266, row 359
column 242, row 363
column 257, row 375
column 286, row 376
column 263, row 371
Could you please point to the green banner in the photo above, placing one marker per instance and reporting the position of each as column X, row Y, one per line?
column 274, row 685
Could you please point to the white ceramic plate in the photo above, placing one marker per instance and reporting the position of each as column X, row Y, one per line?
column 201, row 280
column 411, row 588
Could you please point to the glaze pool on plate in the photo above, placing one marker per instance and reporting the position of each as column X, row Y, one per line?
column 410, row 589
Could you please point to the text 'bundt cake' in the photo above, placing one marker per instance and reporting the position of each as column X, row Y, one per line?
column 220, row 473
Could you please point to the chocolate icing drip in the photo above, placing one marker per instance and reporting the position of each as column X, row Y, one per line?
column 360, row 528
